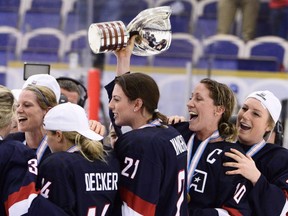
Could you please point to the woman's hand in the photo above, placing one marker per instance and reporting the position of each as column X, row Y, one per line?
column 123, row 57
column 97, row 127
column 243, row 165
column 176, row 119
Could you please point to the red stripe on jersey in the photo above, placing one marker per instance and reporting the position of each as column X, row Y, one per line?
column 232, row 211
column 286, row 194
column 18, row 196
column 136, row 203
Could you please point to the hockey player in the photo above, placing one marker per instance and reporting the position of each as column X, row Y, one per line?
column 18, row 167
column 79, row 176
column 210, row 191
column 152, row 155
column 208, row 135
column 36, row 98
column 265, row 165
column 40, row 93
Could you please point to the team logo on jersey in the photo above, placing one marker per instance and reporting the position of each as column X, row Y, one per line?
column 199, row 181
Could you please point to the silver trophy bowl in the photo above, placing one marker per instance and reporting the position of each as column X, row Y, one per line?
column 151, row 25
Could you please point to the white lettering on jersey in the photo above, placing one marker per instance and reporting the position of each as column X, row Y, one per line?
column 239, row 193
column 199, row 181
column 33, row 166
column 285, row 209
column 45, row 188
column 101, row 181
column 131, row 166
column 210, row 158
column 179, row 144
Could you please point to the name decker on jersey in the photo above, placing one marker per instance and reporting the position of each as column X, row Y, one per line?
column 179, row 144
column 101, row 181
column 93, row 182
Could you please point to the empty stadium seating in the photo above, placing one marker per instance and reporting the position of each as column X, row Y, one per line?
column 193, row 23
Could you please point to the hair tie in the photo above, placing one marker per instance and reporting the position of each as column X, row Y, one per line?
column 156, row 110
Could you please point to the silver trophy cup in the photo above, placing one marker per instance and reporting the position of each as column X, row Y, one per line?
column 151, row 25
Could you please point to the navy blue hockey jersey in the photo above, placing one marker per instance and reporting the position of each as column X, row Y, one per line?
column 41, row 152
column 18, row 168
column 269, row 195
column 81, row 187
column 153, row 178
column 211, row 190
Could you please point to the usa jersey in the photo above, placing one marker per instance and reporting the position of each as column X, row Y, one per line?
column 43, row 150
column 18, row 168
column 212, row 192
column 270, row 193
column 153, row 177
column 78, row 186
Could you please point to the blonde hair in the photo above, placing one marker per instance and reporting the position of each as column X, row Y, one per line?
column 46, row 98
column 90, row 149
column 271, row 124
column 6, row 106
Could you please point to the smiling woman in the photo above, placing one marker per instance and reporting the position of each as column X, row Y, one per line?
column 207, row 135
column 153, row 155
column 33, row 103
column 265, row 165
column 18, row 165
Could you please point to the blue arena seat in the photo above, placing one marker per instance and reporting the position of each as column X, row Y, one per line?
column 42, row 45
column 184, row 48
column 269, row 46
column 205, row 19
column 9, row 5
column 9, row 18
column 183, row 12
column 9, row 13
column 9, row 41
column 224, row 49
column 72, row 19
column 76, row 43
column 129, row 10
column 41, row 14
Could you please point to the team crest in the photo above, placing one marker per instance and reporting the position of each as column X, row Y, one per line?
column 199, row 181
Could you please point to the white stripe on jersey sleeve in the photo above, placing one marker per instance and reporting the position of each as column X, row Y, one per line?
column 285, row 209
column 222, row 212
column 127, row 211
column 20, row 208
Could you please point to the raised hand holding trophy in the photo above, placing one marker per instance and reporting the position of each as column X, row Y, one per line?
column 151, row 25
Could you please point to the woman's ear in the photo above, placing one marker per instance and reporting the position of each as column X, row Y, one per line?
column 45, row 111
column 59, row 136
column 219, row 110
column 138, row 104
column 269, row 128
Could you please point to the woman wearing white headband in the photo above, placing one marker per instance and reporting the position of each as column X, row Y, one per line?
column 79, row 176
column 265, row 165
column 18, row 166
